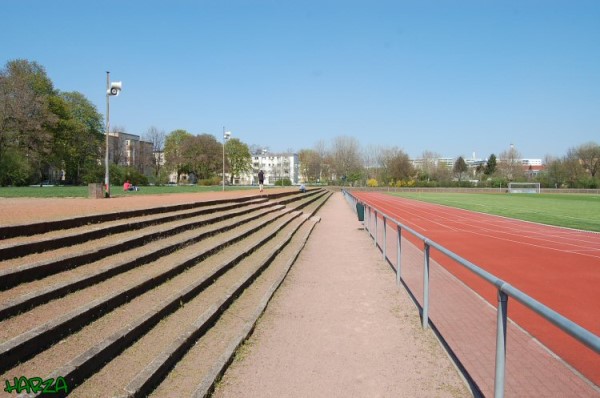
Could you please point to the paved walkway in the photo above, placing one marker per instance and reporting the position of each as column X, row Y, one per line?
column 340, row 327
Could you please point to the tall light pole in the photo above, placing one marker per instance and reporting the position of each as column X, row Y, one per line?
column 111, row 89
column 226, row 135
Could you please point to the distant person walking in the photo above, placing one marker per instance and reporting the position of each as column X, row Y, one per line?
column 261, row 180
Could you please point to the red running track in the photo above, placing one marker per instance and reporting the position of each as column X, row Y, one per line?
column 558, row 267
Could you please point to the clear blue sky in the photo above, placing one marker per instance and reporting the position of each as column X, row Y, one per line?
column 453, row 77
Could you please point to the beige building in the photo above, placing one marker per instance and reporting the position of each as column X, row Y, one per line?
column 129, row 150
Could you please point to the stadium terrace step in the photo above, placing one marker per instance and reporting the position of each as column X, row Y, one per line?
column 106, row 243
column 107, row 267
column 77, row 318
column 72, row 236
column 63, row 243
column 234, row 327
column 43, row 227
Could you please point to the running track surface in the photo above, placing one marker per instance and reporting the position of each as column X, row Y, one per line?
column 556, row 266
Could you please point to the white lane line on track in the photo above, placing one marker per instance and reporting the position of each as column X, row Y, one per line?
column 432, row 211
column 390, row 211
column 577, row 238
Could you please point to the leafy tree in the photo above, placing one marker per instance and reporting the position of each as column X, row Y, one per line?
column 443, row 174
column 14, row 168
column 551, row 176
column 396, row 166
column 370, row 157
column 202, row 154
column 25, row 115
column 174, row 158
column 239, row 158
column 310, row 165
column 346, row 158
column 573, row 167
column 510, row 165
column 326, row 162
column 78, row 139
column 490, row 167
column 429, row 166
column 589, row 155
column 401, row 167
column 460, row 168
column 132, row 175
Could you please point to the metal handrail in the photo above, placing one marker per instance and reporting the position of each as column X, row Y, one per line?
column 505, row 290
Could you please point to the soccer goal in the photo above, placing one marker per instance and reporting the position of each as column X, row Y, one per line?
column 523, row 187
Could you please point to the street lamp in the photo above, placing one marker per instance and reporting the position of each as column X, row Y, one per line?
column 113, row 88
column 226, row 135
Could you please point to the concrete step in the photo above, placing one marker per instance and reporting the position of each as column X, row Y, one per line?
column 74, row 324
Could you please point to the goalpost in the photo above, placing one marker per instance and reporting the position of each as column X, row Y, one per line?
column 523, row 187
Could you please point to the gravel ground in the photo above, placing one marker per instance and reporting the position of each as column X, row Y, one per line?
column 339, row 327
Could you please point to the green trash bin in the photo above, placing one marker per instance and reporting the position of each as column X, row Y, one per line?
column 360, row 211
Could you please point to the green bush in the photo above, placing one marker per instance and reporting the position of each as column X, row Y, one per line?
column 209, row 182
column 14, row 169
column 283, row 182
column 130, row 174
column 94, row 175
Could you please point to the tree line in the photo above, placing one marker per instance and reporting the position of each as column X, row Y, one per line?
column 44, row 131
column 203, row 157
column 345, row 163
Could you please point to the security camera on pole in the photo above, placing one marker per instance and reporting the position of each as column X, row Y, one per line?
column 113, row 88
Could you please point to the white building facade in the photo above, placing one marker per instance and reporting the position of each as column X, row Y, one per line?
column 276, row 167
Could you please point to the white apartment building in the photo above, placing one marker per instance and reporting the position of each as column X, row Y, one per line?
column 276, row 166
column 471, row 162
column 531, row 162
column 419, row 163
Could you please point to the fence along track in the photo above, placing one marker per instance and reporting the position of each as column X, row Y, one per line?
column 107, row 314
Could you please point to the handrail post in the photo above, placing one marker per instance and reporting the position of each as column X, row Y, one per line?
column 368, row 220
column 501, row 344
column 426, row 286
column 384, row 238
column 399, row 256
column 366, row 223
column 375, row 211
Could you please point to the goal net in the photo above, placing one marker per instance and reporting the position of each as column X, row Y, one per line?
column 523, row 187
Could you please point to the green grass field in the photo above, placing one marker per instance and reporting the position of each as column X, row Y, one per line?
column 116, row 191
column 577, row 211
